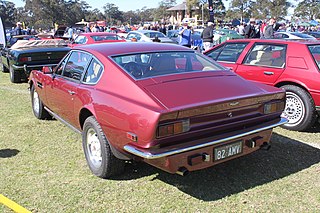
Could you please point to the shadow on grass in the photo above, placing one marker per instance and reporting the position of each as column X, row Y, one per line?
column 8, row 153
column 286, row 156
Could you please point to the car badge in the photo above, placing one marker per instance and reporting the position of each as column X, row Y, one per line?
column 230, row 115
column 234, row 103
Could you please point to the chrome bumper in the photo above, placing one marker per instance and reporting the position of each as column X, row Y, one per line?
column 144, row 153
column 26, row 67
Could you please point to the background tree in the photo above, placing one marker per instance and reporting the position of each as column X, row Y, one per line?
column 308, row 9
column 7, row 13
column 94, row 15
column 113, row 14
column 161, row 14
column 241, row 8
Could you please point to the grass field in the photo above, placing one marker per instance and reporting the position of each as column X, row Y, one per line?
column 43, row 168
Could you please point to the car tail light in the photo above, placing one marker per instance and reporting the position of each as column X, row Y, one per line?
column 24, row 59
column 173, row 128
column 273, row 107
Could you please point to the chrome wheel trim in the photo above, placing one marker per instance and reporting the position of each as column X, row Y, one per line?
column 11, row 72
column 36, row 102
column 94, row 148
column 294, row 110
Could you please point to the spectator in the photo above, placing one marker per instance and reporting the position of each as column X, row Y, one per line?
column 18, row 30
column 163, row 29
column 207, row 36
column 250, row 30
column 185, row 35
column 269, row 29
column 87, row 28
column 70, row 33
column 241, row 29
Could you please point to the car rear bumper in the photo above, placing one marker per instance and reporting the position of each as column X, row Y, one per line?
column 27, row 68
column 200, row 154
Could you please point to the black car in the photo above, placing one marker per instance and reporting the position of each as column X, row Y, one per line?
column 26, row 55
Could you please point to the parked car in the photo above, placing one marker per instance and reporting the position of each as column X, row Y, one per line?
column 95, row 37
column 291, row 65
column 163, row 104
column 148, row 36
column 314, row 34
column 293, row 35
column 226, row 34
column 26, row 55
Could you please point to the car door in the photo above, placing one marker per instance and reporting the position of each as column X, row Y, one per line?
column 264, row 63
column 228, row 54
column 63, row 91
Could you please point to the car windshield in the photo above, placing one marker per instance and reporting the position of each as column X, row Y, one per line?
column 154, row 34
column 315, row 51
column 147, row 65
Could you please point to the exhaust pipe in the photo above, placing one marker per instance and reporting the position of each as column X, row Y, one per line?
column 183, row 171
column 265, row 146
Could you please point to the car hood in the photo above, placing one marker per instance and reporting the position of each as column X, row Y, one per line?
column 186, row 90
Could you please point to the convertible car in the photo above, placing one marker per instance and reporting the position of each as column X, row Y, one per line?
column 163, row 104
column 291, row 65
column 26, row 55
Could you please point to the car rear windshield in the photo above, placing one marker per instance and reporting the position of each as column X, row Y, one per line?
column 146, row 65
column 315, row 52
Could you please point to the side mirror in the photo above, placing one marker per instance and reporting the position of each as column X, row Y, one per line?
column 47, row 70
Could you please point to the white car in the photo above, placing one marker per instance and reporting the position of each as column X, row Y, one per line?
column 293, row 35
column 148, row 36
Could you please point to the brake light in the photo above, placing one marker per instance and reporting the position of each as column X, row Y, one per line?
column 24, row 59
column 173, row 128
column 273, row 107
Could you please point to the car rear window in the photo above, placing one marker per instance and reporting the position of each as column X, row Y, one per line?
column 146, row 65
column 315, row 52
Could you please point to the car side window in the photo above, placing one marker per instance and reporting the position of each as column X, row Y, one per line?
column 76, row 65
column 229, row 52
column 59, row 69
column 80, row 40
column 267, row 55
column 93, row 73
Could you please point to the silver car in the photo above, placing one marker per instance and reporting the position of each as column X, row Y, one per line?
column 148, row 36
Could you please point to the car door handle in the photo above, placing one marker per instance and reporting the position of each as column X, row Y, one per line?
column 268, row 73
column 71, row 92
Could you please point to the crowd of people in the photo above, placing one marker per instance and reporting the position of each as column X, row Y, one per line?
column 252, row 29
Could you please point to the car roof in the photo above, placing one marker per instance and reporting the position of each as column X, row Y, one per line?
column 108, row 49
column 279, row 41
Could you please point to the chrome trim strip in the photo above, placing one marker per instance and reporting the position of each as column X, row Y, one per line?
column 144, row 153
column 318, row 108
column 63, row 121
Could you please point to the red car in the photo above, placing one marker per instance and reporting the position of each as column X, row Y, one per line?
column 291, row 65
column 163, row 104
column 96, row 37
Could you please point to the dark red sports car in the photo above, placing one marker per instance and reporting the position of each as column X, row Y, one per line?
column 163, row 104
column 291, row 65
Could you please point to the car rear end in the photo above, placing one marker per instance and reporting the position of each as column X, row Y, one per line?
column 213, row 127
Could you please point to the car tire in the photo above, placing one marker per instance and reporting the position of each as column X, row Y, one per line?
column 37, row 106
column 299, row 110
column 4, row 68
column 97, row 150
column 14, row 76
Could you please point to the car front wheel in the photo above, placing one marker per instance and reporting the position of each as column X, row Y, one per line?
column 100, row 159
column 299, row 110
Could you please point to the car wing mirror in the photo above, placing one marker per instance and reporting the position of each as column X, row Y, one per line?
column 47, row 70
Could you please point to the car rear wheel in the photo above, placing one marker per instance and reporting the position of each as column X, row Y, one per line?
column 299, row 109
column 37, row 106
column 4, row 68
column 14, row 76
column 100, row 159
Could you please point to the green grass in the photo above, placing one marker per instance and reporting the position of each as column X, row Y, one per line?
column 43, row 168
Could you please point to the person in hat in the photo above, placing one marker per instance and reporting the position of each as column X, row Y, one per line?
column 268, row 31
column 250, row 29
column 18, row 29
column 207, row 36
column 185, row 35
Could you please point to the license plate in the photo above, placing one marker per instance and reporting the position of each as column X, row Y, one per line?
column 227, row 151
